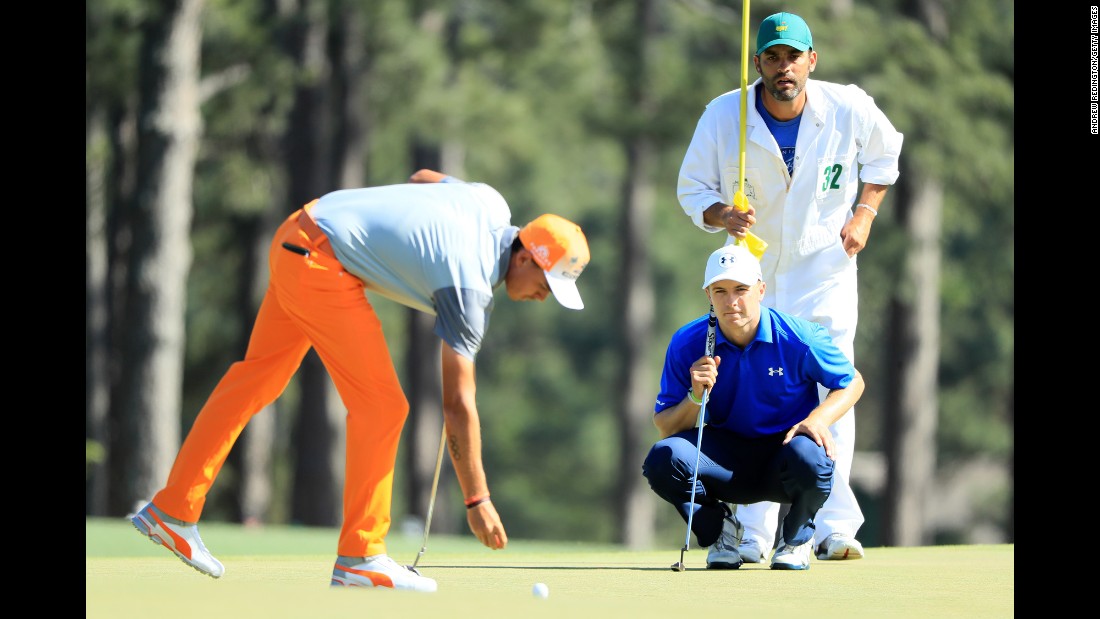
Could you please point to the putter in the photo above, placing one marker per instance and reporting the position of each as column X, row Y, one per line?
column 431, row 500
column 712, row 322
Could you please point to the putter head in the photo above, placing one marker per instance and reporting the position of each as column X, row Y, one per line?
column 413, row 570
column 678, row 566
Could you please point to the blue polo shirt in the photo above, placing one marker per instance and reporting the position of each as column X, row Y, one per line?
column 766, row 388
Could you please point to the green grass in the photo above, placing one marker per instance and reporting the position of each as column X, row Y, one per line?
column 276, row 572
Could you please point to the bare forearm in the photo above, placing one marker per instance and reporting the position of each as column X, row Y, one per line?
column 683, row 416
column 838, row 402
column 872, row 195
column 425, row 175
column 463, row 433
column 463, row 438
column 715, row 215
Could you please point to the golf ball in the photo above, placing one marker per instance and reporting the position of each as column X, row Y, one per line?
column 540, row 590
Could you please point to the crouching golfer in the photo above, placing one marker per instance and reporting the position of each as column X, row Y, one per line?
column 439, row 245
column 767, row 434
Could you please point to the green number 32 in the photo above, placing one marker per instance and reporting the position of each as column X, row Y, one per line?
column 832, row 173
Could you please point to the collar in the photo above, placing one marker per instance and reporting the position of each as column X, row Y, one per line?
column 505, row 258
column 763, row 330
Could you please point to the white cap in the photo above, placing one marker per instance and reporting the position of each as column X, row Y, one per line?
column 734, row 262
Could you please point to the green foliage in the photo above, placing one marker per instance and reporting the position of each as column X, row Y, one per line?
column 94, row 453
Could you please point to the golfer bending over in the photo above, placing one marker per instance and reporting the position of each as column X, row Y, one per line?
column 767, row 435
column 439, row 245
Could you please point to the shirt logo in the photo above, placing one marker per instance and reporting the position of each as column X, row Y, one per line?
column 750, row 191
column 774, row 371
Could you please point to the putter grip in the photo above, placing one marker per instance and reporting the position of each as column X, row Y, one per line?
column 712, row 324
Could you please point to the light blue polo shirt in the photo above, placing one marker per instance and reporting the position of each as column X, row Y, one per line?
column 766, row 388
column 440, row 248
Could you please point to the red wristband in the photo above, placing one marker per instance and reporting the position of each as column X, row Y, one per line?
column 474, row 501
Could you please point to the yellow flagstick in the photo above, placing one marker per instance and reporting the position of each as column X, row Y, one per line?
column 755, row 244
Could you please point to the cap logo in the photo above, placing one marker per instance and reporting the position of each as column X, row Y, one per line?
column 542, row 255
column 574, row 270
column 750, row 191
column 781, row 28
column 726, row 260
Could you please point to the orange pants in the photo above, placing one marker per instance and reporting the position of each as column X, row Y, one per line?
column 310, row 301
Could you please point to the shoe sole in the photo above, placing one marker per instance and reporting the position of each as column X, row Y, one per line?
column 724, row 566
column 848, row 554
column 340, row 583
column 377, row 580
column 141, row 527
column 798, row 568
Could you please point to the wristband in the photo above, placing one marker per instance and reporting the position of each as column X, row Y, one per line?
column 868, row 207
column 691, row 396
column 474, row 501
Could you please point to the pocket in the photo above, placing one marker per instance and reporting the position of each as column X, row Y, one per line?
column 730, row 178
column 826, row 240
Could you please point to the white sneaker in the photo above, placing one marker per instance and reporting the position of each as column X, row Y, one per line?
column 182, row 539
column 789, row 557
column 750, row 551
column 723, row 553
column 378, row 571
column 838, row 547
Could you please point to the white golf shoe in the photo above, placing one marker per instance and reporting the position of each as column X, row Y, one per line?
column 790, row 557
column 182, row 539
column 750, row 551
column 723, row 554
column 839, row 547
column 378, row 571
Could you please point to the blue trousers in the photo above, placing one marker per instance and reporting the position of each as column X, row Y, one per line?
column 740, row 470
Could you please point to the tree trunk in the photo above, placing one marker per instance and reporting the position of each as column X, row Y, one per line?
column 253, row 455
column 425, row 423
column 317, row 443
column 634, row 501
column 169, row 130
column 1010, row 525
column 96, row 349
column 912, row 403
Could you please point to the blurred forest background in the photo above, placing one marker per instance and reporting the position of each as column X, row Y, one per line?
column 209, row 121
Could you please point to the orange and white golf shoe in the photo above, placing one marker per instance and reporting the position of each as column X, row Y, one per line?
column 378, row 571
column 182, row 539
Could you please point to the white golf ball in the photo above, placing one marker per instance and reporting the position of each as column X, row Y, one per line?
column 540, row 590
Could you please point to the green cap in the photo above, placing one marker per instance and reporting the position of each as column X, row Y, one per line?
column 783, row 29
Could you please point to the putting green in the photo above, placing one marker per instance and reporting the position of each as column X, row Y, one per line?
column 278, row 572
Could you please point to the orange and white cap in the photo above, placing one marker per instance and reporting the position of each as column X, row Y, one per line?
column 561, row 250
